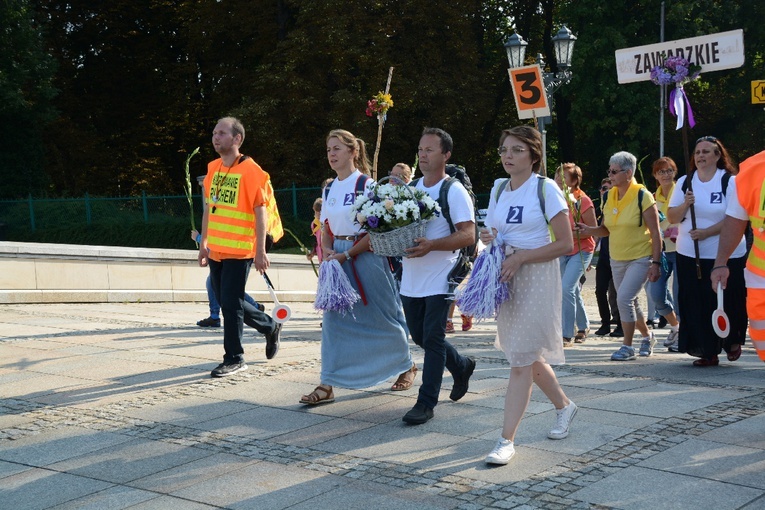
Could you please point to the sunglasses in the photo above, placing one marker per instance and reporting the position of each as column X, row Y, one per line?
column 614, row 172
column 707, row 139
column 604, row 188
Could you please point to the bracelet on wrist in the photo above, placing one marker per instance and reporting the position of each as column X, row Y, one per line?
column 656, row 262
column 347, row 255
column 719, row 267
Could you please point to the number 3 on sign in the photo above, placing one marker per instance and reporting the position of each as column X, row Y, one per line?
column 529, row 92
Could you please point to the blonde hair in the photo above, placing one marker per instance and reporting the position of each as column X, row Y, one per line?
column 576, row 172
column 357, row 146
column 406, row 171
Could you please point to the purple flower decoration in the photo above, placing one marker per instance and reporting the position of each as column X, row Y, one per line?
column 373, row 221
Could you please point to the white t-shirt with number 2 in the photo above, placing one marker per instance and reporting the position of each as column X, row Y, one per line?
column 427, row 276
column 517, row 215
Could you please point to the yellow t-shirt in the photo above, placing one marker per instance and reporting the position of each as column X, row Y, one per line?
column 629, row 237
column 662, row 203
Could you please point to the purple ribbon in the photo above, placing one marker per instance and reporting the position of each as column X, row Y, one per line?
column 678, row 102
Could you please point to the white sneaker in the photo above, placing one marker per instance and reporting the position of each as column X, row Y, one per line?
column 502, row 453
column 671, row 338
column 563, row 422
column 646, row 346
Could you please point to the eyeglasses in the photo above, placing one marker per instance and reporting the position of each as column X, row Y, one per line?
column 515, row 151
column 665, row 171
column 707, row 139
column 614, row 172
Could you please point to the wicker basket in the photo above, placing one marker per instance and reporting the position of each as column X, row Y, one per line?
column 395, row 242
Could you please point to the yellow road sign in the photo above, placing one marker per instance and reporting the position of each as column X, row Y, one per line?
column 758, row 92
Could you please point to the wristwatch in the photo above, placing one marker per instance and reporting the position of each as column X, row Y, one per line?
column 656, row 262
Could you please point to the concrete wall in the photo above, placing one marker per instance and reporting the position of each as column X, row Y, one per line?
column 65, row 273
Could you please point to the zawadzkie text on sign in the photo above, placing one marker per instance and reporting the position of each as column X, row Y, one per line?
column 712, row 52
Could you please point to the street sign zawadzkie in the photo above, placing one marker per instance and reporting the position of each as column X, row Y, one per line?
column 712, row 52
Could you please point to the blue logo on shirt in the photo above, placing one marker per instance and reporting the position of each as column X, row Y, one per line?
column 716, row 197
column 349, row 198
column 515, row 214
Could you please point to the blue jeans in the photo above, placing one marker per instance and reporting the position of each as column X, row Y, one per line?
column 426, row 320
column 215, row 306
column 228, row 278
column 571, row 270
column 659, row 290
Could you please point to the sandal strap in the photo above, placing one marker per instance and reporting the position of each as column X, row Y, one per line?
column 315, row 396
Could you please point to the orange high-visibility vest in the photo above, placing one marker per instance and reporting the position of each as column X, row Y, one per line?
column 233, row 193
column 750, row 187
column 275, row 228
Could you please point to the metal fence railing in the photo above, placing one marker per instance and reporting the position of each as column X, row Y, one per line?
column 32, row 214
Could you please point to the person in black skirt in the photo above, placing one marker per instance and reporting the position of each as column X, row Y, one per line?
column 711, row 171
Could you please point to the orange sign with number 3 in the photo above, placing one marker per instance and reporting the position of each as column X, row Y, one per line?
column 529, row 92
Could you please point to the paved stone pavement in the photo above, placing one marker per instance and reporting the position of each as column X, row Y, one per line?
column 110, row 406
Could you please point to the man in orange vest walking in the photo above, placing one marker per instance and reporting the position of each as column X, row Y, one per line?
column 746, row 202
column 234, row 227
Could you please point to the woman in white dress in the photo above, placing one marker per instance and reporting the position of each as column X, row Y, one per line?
column 521, row 215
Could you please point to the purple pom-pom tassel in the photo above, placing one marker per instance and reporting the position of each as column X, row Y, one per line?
column 484, row 293
column 334, row 292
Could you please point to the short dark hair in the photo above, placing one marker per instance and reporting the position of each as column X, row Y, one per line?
column 447, row 144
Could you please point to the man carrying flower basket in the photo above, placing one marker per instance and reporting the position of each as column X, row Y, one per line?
column 424, row 283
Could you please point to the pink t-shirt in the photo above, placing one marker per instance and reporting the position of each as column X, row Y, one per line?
column 582, row 204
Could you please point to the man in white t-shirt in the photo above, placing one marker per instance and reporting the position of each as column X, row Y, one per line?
column 424, row 283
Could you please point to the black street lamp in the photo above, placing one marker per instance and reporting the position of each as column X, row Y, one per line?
column 563, row 46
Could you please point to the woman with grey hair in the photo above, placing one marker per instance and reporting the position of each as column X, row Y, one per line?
column 631, row 221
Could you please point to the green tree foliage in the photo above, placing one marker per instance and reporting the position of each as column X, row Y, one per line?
column 142, row 82
column 26, row 92
column 609, row 117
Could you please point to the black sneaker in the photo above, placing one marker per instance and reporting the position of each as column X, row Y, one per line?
column 272, row 341
column 418, row 415
column 225, row 369
column 618, row 332
column 603, row 330
column 209, row 323
column 461, row 383
column 662, row 322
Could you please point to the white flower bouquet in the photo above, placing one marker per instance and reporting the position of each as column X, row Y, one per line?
column 394, row 215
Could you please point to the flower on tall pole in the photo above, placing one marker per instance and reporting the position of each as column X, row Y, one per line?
column 677, row 71
column 379, row 106
column 188, row 190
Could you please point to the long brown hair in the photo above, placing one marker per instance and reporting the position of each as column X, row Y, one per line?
column 357, row 146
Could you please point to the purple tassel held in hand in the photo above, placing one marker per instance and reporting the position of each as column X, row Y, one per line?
column 334, row 292
column 484, row 293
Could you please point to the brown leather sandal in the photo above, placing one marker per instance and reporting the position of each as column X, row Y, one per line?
column 315, row 397
column 405, row 380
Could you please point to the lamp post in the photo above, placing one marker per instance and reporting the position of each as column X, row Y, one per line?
column 563, row 46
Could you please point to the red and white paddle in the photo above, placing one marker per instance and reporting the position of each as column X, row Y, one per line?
column 281, row 313
column 720, row 321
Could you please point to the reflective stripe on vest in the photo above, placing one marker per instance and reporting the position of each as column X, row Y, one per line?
column 242, row 246
column 756, row 260
column 750, row 188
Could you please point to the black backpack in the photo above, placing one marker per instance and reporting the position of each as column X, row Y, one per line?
column 458, row 172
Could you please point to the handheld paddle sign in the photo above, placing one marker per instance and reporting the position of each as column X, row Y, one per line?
column 720, row 321
column 281, row 313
